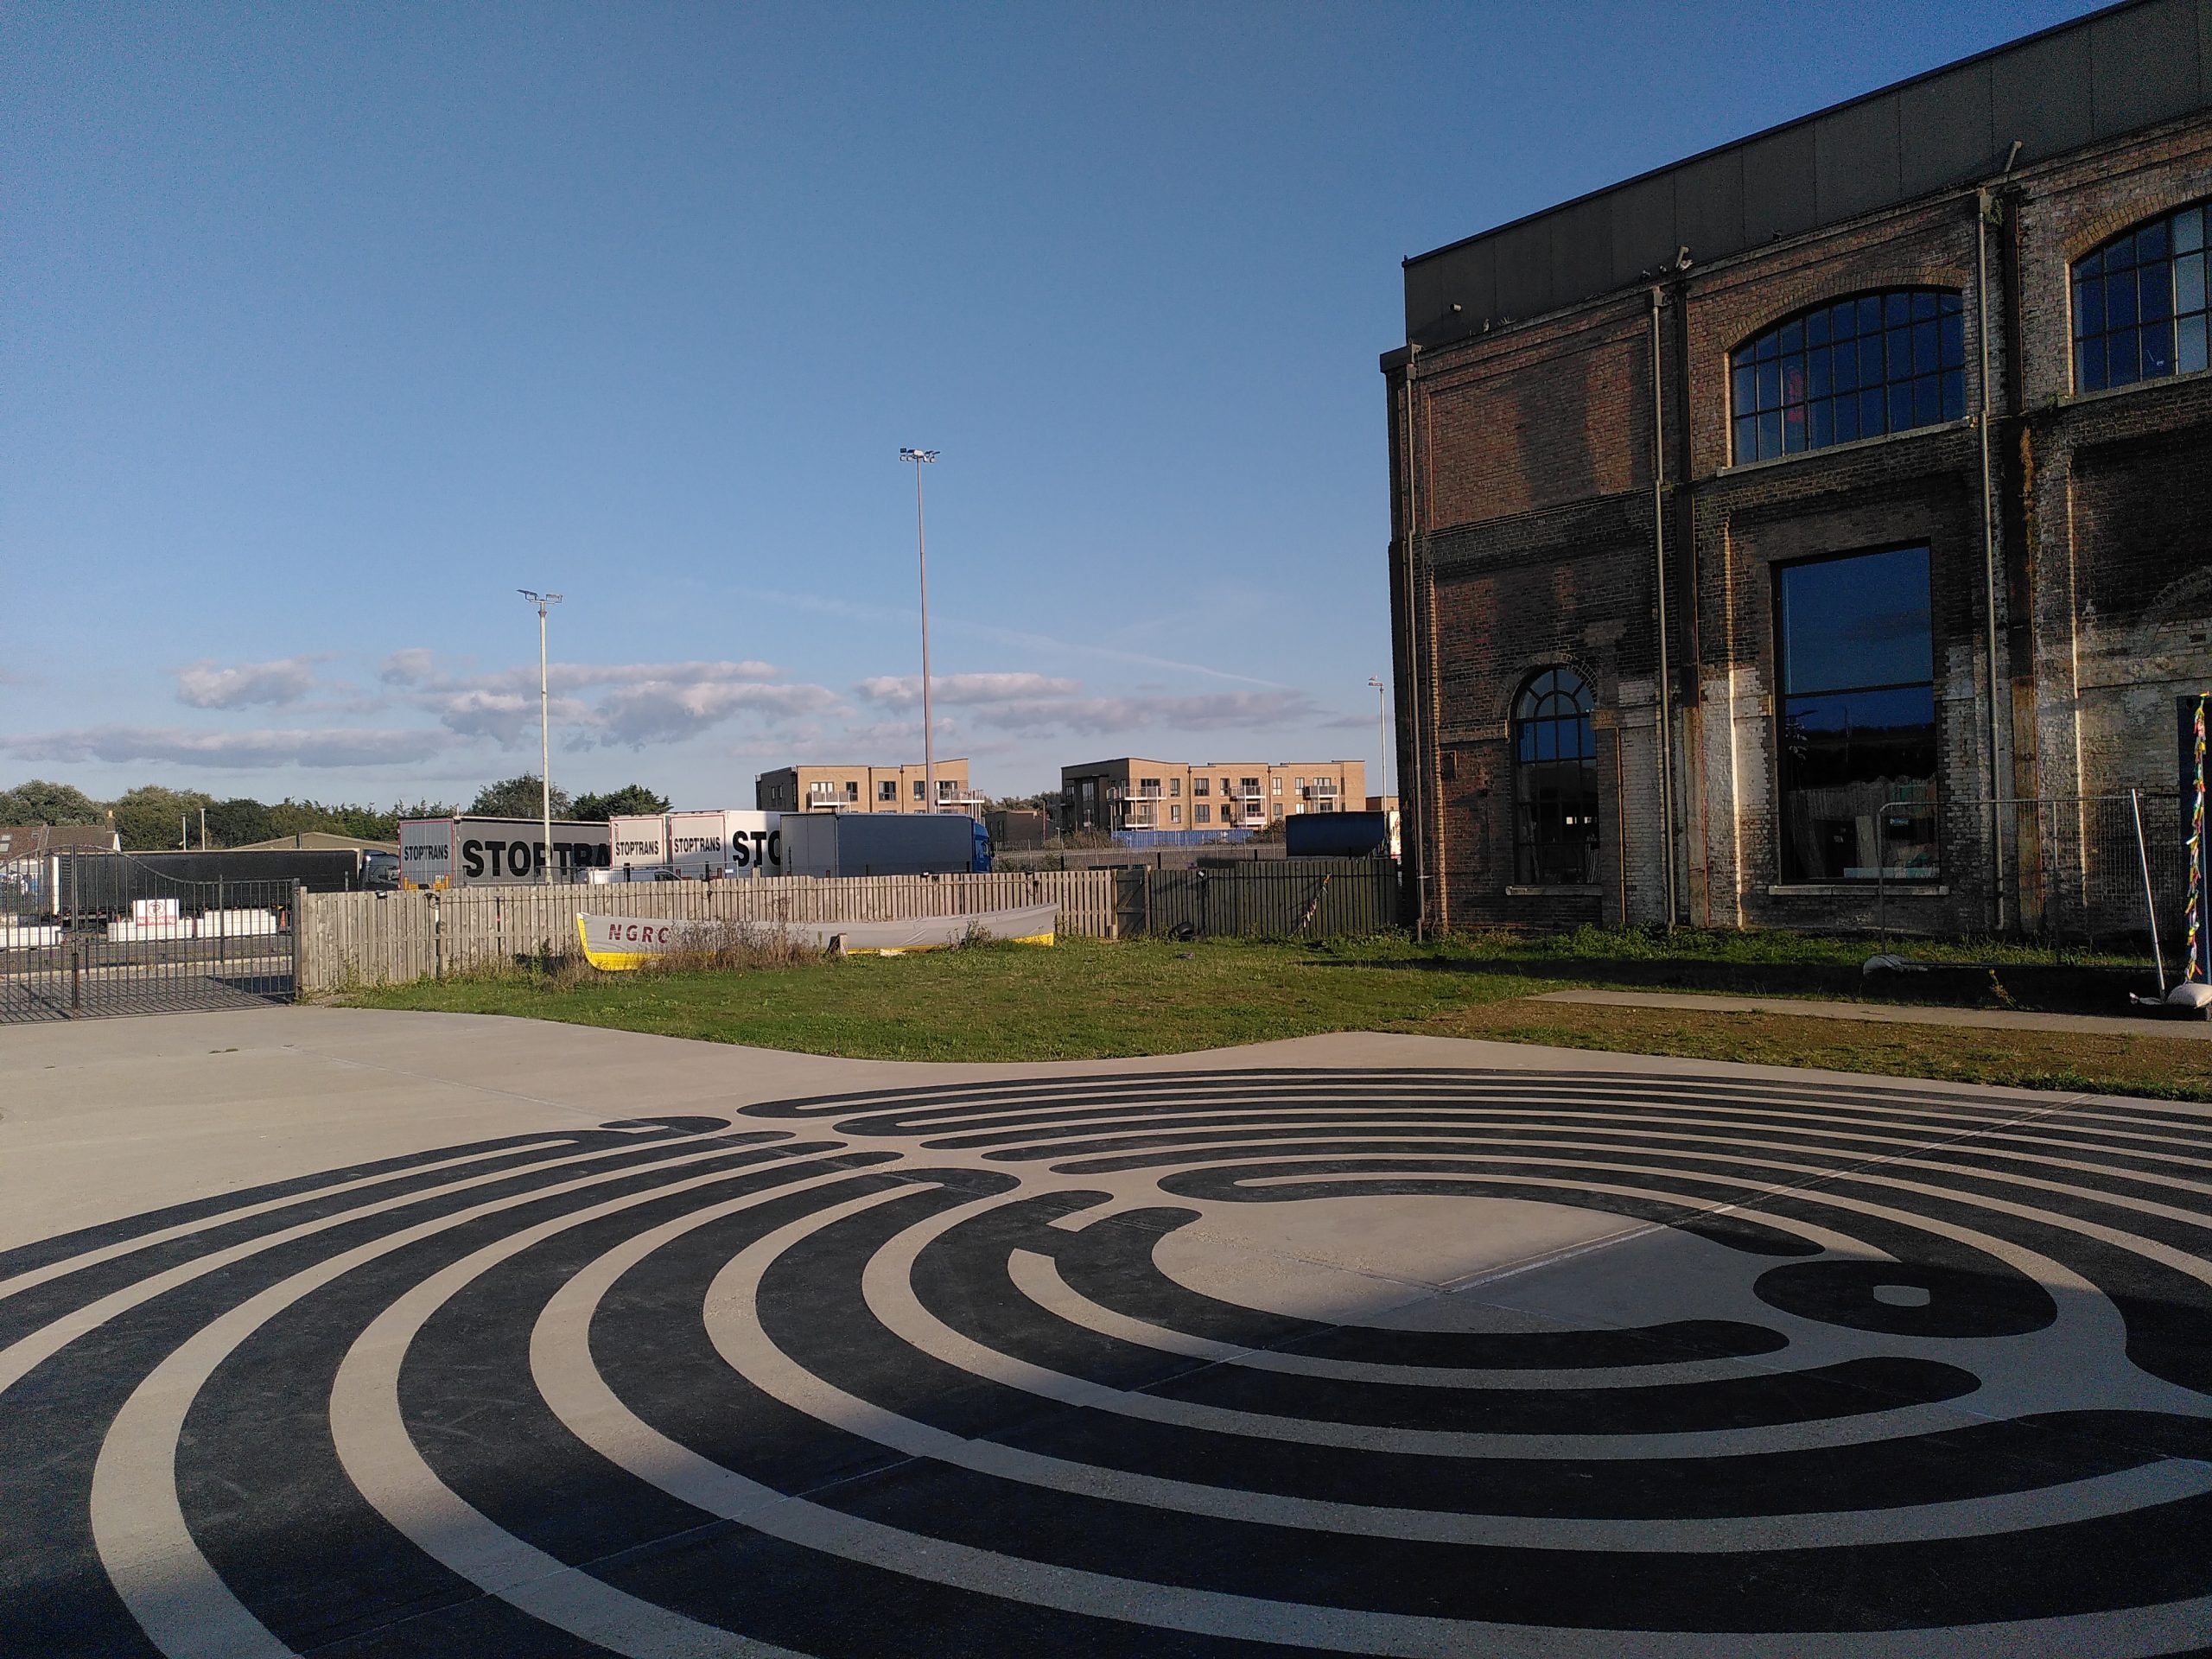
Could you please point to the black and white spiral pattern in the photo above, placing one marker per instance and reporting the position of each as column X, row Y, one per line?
column 1834, row 1369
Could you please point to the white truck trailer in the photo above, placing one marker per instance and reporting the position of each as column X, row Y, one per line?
column 883, row 844
column 727, row 843
column 698, row 846
column 498, row 852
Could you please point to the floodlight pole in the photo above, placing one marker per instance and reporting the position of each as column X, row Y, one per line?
column 1381, row 736
column 922, row 458
column 544, row 729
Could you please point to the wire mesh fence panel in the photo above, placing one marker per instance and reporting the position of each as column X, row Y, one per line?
column 2103, row 873
column 137, row 940
column 1286, row 898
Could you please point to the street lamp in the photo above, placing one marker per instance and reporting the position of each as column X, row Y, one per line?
column 545, row 726
column 922, row 458
column 1383, row 733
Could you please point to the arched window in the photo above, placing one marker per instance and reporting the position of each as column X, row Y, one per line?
column 1554, row 781
column 2139, row 302
column 1852, row 369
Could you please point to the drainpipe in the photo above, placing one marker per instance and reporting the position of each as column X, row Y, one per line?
column 1659, row 587
column 1986, row 209
column 1413, row 779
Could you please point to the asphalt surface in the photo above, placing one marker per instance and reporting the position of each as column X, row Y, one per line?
column 352, row 1332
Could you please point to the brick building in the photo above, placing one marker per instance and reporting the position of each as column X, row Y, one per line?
column 1134, row 793
column 1722, row 498
column 845, row 788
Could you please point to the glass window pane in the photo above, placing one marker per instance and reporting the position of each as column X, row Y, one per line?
column 1927, row 400
column 2157, row 292
column 1792, row 337
column 1856, row 622
column 2188, row 348
column 2120, row 256
column 2157, row 340
column 1872, row 413
column 1770, row 346
column 1769, row 385
column 1954, row 341
column 1816, row 373
column 1870, row 359
column 1901, row 406
column 2188, row 284
column 2120, row 304
column 1870, row 314
column 1926, row 354
column 2120, row 357
column 1843, row 322
column 1747, row 437
column 1743, row 391
column 1900, row 357
column 1770, row 434
column 1847, row 367
column 2188, row 230
column 1923, row 307
column 1897, row 309
column 1793, row 380
column 1955, row 393
column 1547, row 739
column 1816, row 328
column 2090, row 266
column 2090, row 370
column 1951, row 304
column 1819, row 425
column 2089, row 309
column 2150, row 242
column 1793, row 429
column 1847, row 420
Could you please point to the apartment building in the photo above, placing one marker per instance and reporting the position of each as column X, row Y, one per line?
column 848, row 788
column 1815, row 530
column 1134, row 793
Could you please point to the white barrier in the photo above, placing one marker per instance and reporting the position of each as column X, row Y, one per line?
column 237, row 924
column 134, row 932
column 29, row 938
column 215, row 925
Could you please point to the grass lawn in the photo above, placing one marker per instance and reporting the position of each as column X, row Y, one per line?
column 1085, row 999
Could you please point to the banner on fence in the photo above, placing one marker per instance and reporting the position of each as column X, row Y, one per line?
column 617, row 944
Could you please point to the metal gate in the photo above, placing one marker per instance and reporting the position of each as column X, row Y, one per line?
column 140, row 943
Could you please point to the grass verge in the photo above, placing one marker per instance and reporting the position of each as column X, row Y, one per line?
column 1085, row 999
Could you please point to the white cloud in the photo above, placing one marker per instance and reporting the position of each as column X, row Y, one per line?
column 409, row 667
column 209, row 685
column 673, row 709
column 1036, row 705
column 607, row 703
column 906, row 692
column 310, row 747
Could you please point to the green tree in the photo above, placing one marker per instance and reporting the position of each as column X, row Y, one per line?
column 516, row 797
column 151, row 817
column 238, row 821
column 41, row 802
column 632, row 800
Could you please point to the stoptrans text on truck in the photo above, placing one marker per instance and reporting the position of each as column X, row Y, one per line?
column 498, row 852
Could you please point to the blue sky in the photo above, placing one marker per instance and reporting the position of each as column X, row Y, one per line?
column 327, row 327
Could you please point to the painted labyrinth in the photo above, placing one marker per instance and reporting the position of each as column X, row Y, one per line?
column 1094, row 1365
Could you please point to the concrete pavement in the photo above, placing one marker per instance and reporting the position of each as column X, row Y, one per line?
column 334, row 1331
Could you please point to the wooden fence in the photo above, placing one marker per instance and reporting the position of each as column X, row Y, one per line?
column 386, row 938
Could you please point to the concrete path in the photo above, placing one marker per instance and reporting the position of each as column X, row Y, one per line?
column 1893, row 1014
column 342, row 1331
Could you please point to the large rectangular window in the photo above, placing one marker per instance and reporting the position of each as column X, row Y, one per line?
column 1857, row 718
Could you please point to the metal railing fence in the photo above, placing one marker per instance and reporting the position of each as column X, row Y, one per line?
column 2089, row 873
column 1290, row 898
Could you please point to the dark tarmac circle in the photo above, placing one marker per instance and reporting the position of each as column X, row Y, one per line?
column 1220, row 1362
